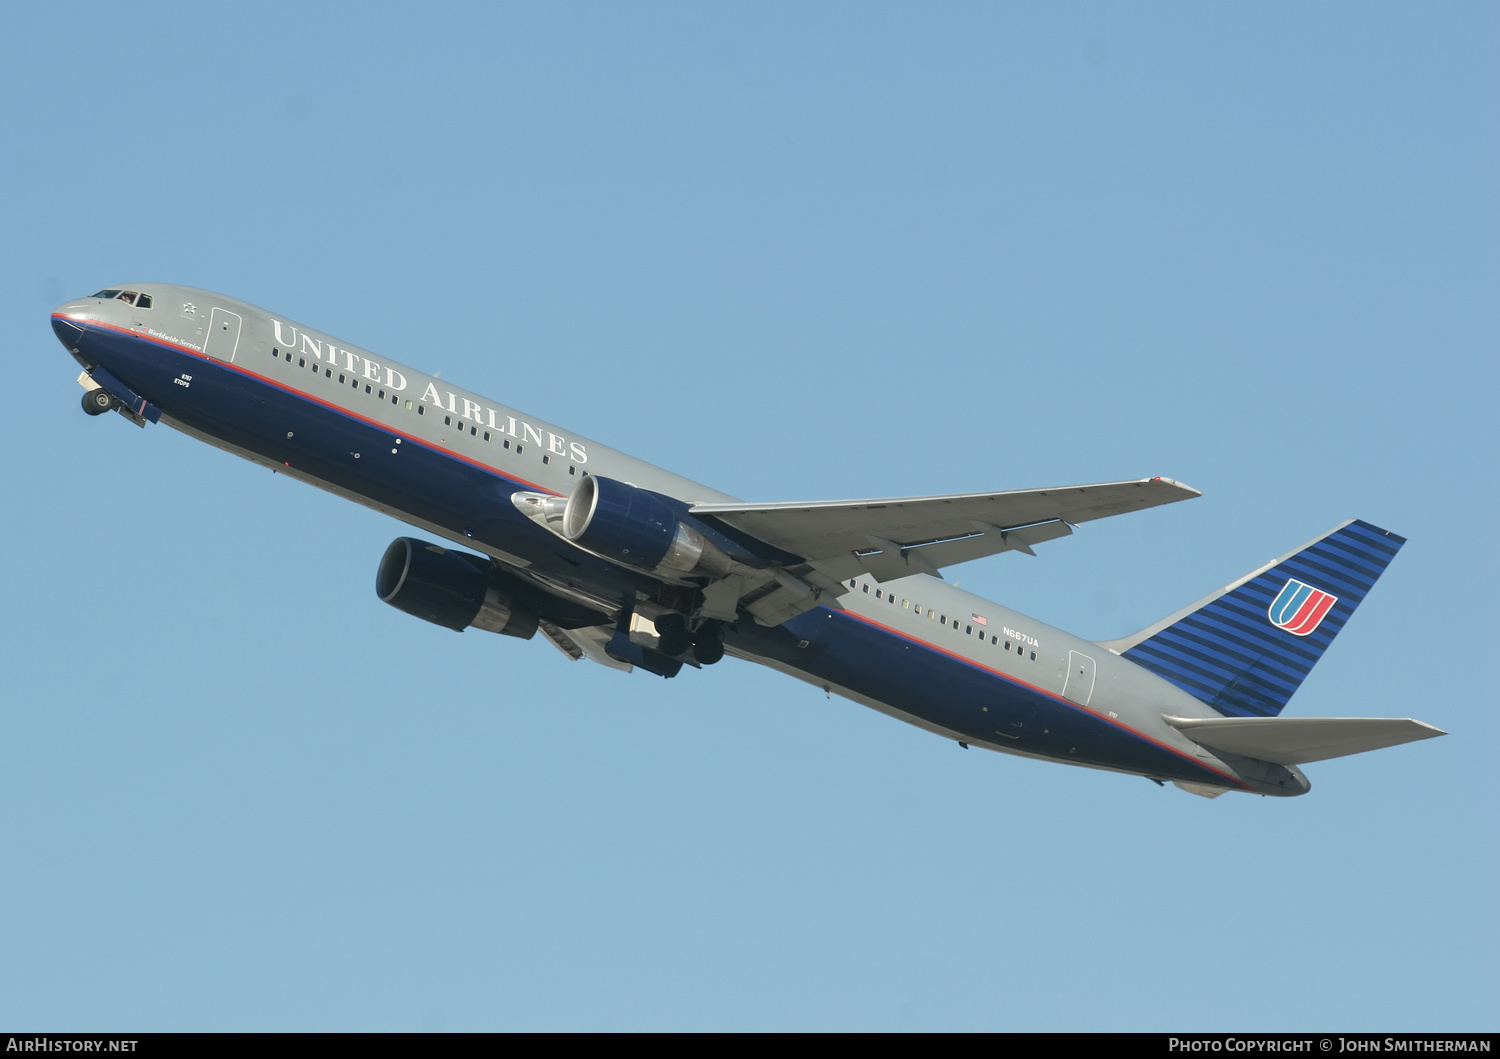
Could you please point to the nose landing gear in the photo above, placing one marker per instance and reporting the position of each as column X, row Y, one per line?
column 97, row 402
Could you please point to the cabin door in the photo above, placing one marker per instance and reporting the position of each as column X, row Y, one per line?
column 223, row 334
column 1079, row 687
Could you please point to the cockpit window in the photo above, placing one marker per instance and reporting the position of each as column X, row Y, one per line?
column 139, row 300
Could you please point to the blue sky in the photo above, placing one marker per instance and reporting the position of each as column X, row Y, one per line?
column 795, row 252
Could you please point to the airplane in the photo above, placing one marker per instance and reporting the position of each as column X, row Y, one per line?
column 622, row 563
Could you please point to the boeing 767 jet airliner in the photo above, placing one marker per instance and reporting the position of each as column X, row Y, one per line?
column 628, row 565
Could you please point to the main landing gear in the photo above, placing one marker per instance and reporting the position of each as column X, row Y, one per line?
column 97, row 402
column 676, row 640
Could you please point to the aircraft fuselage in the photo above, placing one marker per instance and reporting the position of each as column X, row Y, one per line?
column 449, row 460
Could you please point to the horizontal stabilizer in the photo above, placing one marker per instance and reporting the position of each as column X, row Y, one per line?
column 1298, row 740
column 900, row 536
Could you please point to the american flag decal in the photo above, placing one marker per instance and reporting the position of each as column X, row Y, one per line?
column 980, row 619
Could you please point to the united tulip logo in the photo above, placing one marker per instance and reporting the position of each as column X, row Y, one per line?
column 1300, row 608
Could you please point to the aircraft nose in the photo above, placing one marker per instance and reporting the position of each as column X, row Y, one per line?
column 68, row 331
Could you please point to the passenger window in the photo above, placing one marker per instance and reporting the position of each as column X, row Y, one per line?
column 301, row 362
column 905, row 603
column 473, row 431
column 506, row 444
column 877, row 593
column 486, row 435
column 1033, row 656
column 447, row 421
column 520, row 449
column 572, row 469
column 421, row 408
column 968, row 630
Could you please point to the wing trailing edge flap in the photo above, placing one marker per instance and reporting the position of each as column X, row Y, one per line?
column 777, row 595
column 584, row 643
column 901, row 536
column 1298, row 740
column 886, row 560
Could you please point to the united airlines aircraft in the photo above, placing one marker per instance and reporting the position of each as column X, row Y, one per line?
column 610, row 559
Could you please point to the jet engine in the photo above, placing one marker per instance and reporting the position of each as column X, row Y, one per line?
column 638, row 528
column 448, row 588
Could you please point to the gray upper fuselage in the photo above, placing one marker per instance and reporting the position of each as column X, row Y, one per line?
column 414, row 407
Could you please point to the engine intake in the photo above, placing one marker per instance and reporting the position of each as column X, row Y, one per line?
column 638, row 528
column 448, row 588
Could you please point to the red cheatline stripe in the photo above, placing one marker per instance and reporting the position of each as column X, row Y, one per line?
column 1008, row 678
column 437, row 448
column 429, row 445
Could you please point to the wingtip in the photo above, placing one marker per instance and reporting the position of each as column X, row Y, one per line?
column 1177, row 485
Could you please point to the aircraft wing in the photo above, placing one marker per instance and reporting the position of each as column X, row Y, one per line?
column 896, row 537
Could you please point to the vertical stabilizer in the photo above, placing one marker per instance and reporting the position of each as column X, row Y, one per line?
column 1247, row 647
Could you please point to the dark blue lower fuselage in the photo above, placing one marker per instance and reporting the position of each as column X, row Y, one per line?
column 415, row 479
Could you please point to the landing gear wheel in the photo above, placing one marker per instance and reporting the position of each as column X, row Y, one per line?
column 708, row 648
column 671, row 630
column 97, row 402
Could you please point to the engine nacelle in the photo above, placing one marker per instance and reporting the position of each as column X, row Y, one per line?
column 447, row 588
column 637, row 528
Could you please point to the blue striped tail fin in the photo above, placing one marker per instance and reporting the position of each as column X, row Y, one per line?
column 1247, row 647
